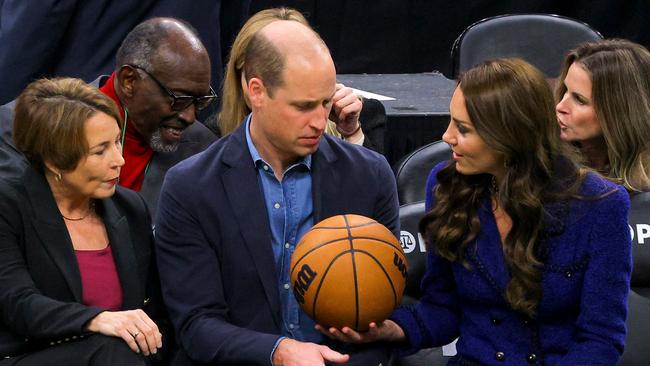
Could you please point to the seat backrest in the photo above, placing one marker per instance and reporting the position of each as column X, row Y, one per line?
column 636, row 350
column 411, row 172
column 414, row 248
column 640, row 229
column 541, row 39
column 416, row 254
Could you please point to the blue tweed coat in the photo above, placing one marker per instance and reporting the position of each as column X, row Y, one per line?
column 585, row 283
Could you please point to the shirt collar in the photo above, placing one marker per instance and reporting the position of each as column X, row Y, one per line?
column 306, row 161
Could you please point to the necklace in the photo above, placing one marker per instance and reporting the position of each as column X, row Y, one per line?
column 494, row 187
column 91, row 209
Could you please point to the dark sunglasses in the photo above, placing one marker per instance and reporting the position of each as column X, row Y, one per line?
column 181, row 102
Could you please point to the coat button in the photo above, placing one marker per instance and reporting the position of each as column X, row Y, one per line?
column 500, row 356
column 495, row 321
column 568, row 274
column 531, row 358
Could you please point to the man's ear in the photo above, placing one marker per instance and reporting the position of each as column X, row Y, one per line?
column 256, row 91
column 126, row 80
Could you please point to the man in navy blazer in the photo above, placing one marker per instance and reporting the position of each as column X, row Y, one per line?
column 228, row 218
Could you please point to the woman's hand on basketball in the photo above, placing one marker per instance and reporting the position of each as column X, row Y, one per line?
column 387, row 331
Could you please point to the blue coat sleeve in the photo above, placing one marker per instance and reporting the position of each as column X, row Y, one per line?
column 434, row 320
column 192, row 285
column 387, row 204
column 600, row 328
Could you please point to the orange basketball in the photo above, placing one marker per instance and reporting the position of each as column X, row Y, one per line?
column 348, row 270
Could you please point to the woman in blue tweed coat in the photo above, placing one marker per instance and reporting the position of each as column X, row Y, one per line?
column 530, row 256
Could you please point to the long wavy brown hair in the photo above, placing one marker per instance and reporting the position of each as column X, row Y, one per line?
column 511, row 106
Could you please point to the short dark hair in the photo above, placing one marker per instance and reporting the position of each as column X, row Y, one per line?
column 49, row 120
column 141, row 45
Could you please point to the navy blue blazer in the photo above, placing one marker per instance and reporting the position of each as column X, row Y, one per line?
column 585, row 283
column 214, row 242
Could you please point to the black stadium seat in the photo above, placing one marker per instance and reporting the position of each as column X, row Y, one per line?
column 415, row 250
column 640, row 229
column 411, row 172
column 541, row 39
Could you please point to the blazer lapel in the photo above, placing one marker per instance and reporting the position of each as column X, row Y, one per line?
column 51, row 230
column 322, row 172
column 487, row 253
column 119, row 237
column 243, row 190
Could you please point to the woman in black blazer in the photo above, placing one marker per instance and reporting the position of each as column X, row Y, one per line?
column 76, row 255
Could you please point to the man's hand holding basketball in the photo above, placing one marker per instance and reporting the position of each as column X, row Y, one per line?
column 294, row 353
column 387, row 331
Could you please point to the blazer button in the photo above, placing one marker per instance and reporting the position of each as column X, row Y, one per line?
column 532, row 358
column 568, row 274
column 500, row 356
column 495, row 321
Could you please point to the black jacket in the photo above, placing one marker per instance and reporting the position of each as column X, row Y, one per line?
column 40, row 283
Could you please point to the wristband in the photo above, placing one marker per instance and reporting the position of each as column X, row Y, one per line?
column 348, row 135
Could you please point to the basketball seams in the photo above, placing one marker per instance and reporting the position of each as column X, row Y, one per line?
column 365, row 224
column 385, row 242
column 322, row 280
column 390, row 280
column 299, row 260
column 354, row 273
column 368, row 244
column 314, row 249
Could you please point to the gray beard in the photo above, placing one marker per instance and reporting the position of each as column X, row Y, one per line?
column 159, row 145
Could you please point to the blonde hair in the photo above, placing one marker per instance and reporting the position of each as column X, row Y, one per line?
column 233, row 104
column 50, row 117
column 620, row 77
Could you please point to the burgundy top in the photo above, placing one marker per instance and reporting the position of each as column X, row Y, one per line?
column 100, row 282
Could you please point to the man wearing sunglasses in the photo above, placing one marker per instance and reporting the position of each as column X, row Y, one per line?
column 161, row 82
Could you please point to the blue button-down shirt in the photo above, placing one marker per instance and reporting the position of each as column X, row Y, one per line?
column 291, row 214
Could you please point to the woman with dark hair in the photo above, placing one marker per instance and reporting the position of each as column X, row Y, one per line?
column 529, row 256
column 76, row 251
column 603, row 107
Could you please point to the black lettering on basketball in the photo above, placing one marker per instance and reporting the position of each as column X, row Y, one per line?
column 304, row 278
column 397, row 261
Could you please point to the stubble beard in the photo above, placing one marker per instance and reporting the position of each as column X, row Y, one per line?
column 159, row 145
